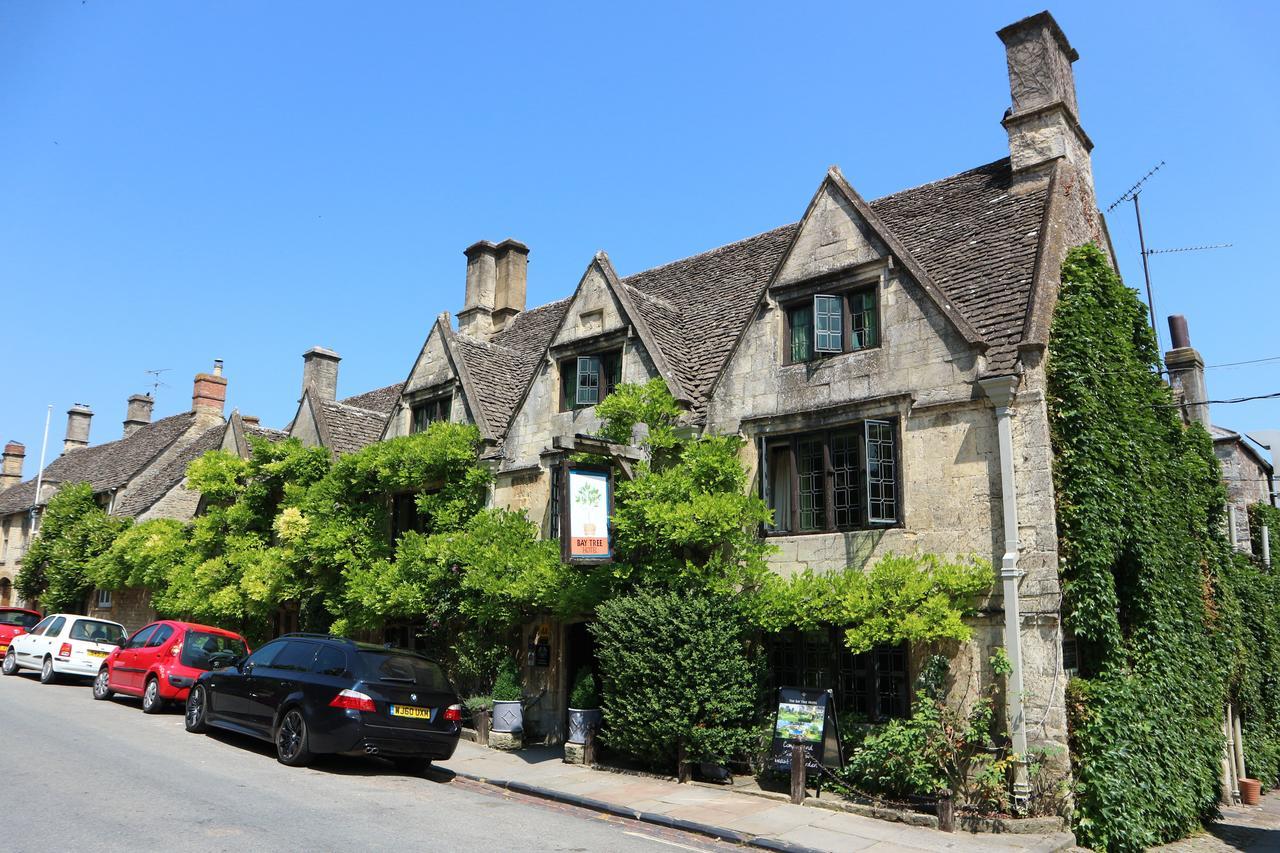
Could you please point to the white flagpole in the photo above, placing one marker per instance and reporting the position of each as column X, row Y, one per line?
column 44, row 445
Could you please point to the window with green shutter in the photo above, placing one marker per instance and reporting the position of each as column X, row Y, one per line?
column 588, row 379
column 829, row 324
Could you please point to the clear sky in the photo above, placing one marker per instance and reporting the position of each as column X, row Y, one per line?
column 240, row 180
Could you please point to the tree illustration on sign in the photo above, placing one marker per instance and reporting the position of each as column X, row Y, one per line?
column 588, row 496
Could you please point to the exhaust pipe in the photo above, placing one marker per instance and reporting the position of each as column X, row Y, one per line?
column 371, row 750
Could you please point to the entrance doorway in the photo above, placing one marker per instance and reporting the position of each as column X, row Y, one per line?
column 579, row 652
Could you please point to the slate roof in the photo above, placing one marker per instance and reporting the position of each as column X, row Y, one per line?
column 351, row 427
column 155, row 484
column 103, row 466
column 271, row 435
column 382, row 400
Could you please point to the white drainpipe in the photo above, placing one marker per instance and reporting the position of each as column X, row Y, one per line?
column 1001, row 391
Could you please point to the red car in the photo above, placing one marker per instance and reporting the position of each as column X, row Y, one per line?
column 162, row 661
column 15, row 621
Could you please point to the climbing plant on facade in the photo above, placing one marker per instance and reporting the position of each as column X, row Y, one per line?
column 74, row 530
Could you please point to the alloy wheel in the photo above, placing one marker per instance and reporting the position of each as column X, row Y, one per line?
column 101, row 684
column 10, row 662
column 195, row 707
column 289, row 739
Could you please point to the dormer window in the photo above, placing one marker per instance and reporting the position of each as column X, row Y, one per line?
column 429, row 411
column 587, row 379
column 827, row 324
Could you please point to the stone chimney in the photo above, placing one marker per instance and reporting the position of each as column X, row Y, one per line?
column 138, row 414
column 497, row 284
column 11, row 470
column 78, row 418
column 251, row 420
column 320, row 373
column 1186, row 372
column 1044, row 122
column 209, row 393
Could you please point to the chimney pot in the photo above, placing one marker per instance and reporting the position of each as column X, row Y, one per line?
column 1186, row 373
column 217, row 367
column 497, row 285
column 11, row 470
column 138, row 413
column 79, row 417
column 1178, row 331
column 320, row 373
column 209, row 392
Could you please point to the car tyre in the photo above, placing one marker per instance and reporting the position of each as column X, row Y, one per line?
column 10, row 666
column 47, row 675
column 415, row 766
column 197, row 709
column 152, row 701
column 292, row 747
column 102, row 684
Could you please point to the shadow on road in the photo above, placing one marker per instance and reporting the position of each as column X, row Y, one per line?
column 338, row 765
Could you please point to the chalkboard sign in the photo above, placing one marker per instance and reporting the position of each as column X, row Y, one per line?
column 806, row 716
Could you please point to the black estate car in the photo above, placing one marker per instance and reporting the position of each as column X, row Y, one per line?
column 310, row 693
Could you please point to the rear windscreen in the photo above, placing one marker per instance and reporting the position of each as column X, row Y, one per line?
column 404, row 669
column 199, row 647
column 93, row 631
column 17, row 617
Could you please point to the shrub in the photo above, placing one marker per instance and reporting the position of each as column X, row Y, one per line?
column 678, row 680
column 507, row 687
column 584, row 695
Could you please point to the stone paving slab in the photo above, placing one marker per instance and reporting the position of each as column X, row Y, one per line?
column 1241, row 829
column 722, row 811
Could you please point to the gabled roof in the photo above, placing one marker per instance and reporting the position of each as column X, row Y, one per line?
column 156, row 483
column 350, row 428
column 382, row 400
column 1222, row 435
column 103, row 466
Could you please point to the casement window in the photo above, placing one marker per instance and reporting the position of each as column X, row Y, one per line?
column 828, row 324
column 104, row 599
column 587, row 379
column 554, row 526
column 429, row 411
column 838, row 479
column 405, row 516
column 873, row 684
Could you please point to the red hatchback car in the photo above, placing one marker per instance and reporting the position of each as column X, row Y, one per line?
column 15, row 621
column 162, row 661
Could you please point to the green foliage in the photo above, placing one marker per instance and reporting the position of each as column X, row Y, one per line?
column 507, row 686
column 1143, row 559
column 147, row 554
column 1251, row 599
column 1264, row 515
column 676, row 675
column 650, row 404
column 584, row 694
column 73, row 531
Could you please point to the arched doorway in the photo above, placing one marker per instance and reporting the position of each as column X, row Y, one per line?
column 6, row 592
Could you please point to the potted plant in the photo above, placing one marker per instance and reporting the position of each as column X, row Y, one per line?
column 508, row 715
column 480, row 708
column 584, row 706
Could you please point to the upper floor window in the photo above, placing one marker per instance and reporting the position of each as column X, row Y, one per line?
column 839, row 479
column 827, row 324
column 429, row 411
column 587, row 379
column 405, row 515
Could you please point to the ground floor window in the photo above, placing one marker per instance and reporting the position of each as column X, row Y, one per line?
column 104, row 599
column 874, row 684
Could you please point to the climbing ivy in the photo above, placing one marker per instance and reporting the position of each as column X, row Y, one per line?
column 74, row 529
column 1146, row 571
column 1260, row 516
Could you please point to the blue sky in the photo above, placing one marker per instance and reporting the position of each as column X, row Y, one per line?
column 187, row 181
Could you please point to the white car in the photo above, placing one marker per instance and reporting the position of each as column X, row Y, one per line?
column 63, row 644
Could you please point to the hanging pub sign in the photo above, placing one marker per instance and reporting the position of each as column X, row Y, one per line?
column 806, row 716
column 586, row 502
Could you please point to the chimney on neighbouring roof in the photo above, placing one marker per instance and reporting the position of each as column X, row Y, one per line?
column 138, row 414
column 250, row 420
column 320, row 373
column 1186, row 372
column 209, row 392
column 11, row 471
column 78, row 418
column 1044, row 121
column 497, row 283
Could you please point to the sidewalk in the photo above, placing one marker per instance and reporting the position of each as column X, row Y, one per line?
column 1251, row 829
column 716, row 811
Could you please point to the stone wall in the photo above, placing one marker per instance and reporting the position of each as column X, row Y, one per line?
column 130, row 607
column 1247, row 481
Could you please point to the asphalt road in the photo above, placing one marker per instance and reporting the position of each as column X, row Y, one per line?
column 84, row 776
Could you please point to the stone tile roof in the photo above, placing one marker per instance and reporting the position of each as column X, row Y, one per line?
column 381, row 400
column 271, row 435
column 156, row 483
column 103, row 466
column 978, row 243
column 350, row 427
column 502, row 368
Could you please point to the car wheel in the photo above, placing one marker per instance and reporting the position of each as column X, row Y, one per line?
column 197, row 705
column 291, row 739
column 415, row 766
column 10, row 666
column 102, row 684
column 152, row 701
column 47, row 675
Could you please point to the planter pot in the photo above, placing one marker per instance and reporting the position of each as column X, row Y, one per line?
column 580, row 719
column 507, row 717
column 1250, row 791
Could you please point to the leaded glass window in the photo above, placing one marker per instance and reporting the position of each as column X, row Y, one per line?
column 828, row 324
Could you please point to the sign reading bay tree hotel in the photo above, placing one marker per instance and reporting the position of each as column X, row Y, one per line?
column 585, row 503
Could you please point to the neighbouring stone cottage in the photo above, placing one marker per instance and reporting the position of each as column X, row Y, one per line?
column 883, row 359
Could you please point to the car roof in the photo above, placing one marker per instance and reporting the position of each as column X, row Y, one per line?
column 196, row 626
column 351, row 644
column 19, row 610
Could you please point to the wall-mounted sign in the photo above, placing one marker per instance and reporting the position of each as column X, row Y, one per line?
column 585, row 502
column 806, row 716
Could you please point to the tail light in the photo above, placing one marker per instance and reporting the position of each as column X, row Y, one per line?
column 177, row 649
column 453, row 714
column 65, row 651
column 353, row 700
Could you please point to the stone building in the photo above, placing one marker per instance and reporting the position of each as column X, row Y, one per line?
column 342, row 426
column 883, row 359
column 138, row 475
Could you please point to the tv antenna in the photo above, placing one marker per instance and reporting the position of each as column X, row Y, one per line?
column 155, row 383
column 1132, row 194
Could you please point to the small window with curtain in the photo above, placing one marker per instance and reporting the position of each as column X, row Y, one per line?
column 586, row 380
column 832, row 323
column 429, row 411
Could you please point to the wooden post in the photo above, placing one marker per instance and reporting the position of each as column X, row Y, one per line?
column 480, row 719
column 946, row 812
column 589, row 747
column 797, row 773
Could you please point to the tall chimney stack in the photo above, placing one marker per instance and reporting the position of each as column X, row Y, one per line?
column 11, row 470
column 320, row 373
column 209, row 393
column 138, row 413
column 1186, row 372
column 78, row 418
column 497, row 284
column 1044, row 122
